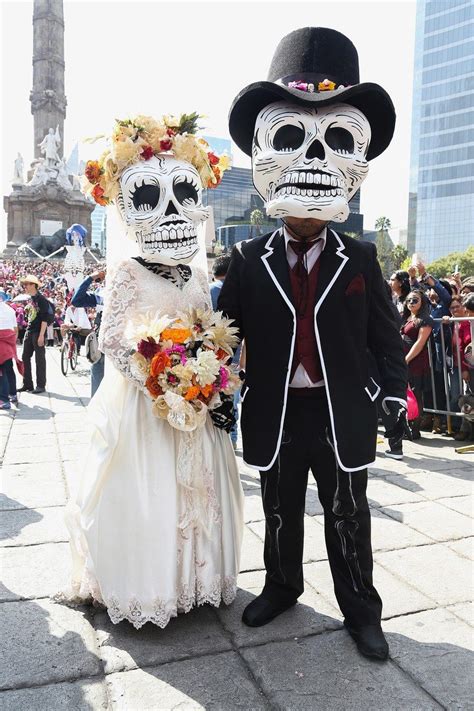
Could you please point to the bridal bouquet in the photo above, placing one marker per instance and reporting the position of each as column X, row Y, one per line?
column 182, row 364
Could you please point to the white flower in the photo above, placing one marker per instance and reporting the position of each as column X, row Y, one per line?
column 139, row 367
column 220, row 334
column 148, row 326
column 207, row 368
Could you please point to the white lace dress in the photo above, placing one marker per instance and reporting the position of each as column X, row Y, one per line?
column 144, row 545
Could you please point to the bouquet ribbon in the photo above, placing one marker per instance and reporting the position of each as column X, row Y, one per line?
column 191, row 472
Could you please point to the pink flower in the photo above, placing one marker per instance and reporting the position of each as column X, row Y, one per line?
column 223, row 378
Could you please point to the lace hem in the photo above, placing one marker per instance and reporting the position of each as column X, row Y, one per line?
column 160, row 612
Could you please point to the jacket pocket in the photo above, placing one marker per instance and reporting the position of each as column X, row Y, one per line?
column 372, row 389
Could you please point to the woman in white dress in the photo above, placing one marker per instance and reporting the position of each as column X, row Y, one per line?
column 145, row 544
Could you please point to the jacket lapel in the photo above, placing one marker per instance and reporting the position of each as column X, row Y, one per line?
column 332, row 261
column 276, row 263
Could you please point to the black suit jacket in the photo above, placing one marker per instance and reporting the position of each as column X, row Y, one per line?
column 352, row 314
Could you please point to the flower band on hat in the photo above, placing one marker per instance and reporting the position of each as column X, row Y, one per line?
column 325, row 85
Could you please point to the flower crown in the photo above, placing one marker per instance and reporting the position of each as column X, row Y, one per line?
column 143, row 137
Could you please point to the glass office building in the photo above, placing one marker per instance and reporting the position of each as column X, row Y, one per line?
column 441, row 202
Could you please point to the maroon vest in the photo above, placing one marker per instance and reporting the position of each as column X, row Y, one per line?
column 306, row 349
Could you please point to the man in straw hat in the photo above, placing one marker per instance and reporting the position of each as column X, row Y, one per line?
column 39, row 313
column 311, row 130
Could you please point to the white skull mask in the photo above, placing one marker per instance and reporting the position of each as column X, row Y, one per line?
column 160, row 203
column 309, row 162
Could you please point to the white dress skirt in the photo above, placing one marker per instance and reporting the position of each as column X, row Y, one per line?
column 144, row 544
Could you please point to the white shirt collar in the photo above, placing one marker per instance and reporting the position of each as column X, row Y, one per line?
column 322, row 237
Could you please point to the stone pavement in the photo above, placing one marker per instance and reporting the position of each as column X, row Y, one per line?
column 54, row 657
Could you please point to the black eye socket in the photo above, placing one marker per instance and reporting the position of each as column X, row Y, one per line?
column 146, row 197
column 185, row 190
column 288, row 138
column 339, row 139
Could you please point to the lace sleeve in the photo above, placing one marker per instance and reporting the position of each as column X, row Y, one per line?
column 203, row 282
column 117, row 304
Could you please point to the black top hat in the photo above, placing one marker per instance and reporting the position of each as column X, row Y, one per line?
column 314, row 66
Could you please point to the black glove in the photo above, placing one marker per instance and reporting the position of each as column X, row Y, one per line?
column 223, row 416
column 398, row 413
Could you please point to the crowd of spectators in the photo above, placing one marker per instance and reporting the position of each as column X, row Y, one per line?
column 438, row 347
column 53, row 286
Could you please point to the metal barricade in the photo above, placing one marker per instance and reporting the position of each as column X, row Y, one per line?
column 445, row 368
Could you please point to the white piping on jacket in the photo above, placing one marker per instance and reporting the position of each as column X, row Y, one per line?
column 375, row 396
column 344, row 259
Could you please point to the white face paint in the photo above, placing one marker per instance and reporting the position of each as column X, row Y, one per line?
column 309, row 162
column 160, row 204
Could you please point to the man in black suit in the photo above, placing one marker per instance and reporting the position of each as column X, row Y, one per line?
column 310, row 303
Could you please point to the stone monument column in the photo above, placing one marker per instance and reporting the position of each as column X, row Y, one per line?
column 48, row 100
column 42, row 208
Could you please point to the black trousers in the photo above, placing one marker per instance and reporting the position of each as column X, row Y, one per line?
column 30, row 347
column 306, row 444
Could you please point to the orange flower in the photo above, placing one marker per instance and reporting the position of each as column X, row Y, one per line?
column 98, row 195
column 326, row 85
column 152, row 386
column 222, row 354
column 159, row 362
column 192, row 392
column 206, row 390
column 177, row 335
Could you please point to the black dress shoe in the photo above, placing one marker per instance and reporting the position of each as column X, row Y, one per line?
column 39, row 390
column 24, row 389
column 262, row 611
column 370, row 640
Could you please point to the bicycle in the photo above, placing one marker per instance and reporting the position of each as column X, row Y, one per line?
column 69, row 353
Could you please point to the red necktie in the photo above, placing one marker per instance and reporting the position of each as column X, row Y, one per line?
column 300, row 248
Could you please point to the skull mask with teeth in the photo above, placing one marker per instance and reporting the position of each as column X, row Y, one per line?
column 309, row 162
column 160, row 204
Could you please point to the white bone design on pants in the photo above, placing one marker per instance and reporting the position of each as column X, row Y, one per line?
column 309, row 162
column 344, row 506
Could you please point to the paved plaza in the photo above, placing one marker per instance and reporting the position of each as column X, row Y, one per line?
column 57, row 657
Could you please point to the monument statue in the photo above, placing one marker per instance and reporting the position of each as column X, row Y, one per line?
column 49, row 147
column 18, row 170
column 46, row 193
column 41, row 174
column 62, row 175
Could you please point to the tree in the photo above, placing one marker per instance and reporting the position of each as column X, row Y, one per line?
column 400, row 254
column 384, row 245
column 445, row 266
column 256, row 219
column 382, row 224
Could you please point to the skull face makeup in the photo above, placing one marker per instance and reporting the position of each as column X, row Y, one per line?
column 308, row 162
column 160, row 204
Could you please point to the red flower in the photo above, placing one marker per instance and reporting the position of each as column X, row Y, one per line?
column 166, row 144
column 152, row 386
column 148, row 348
column 93, row 171
column 147, row 153
column 98, row 195
column 213, row 159
column 171, row 131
